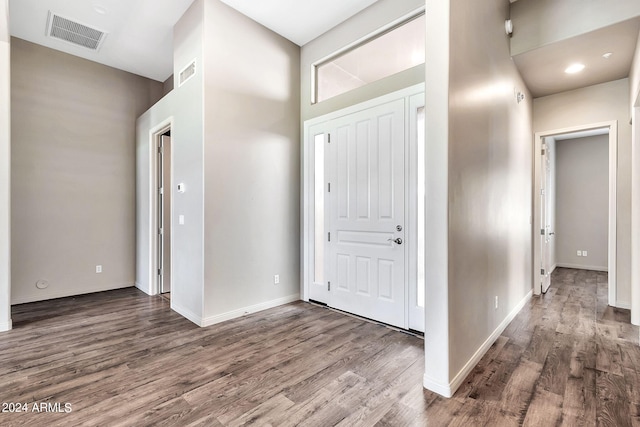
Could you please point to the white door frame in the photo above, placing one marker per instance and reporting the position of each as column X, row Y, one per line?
column 612, row 127
column 635, row 214
column 307, row 197
column 156, row 135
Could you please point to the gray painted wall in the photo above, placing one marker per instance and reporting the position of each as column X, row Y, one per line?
column 252, row 163
column 73, row 172
column 478, row 185
column 563, row 19
column 634, row 102
column 634, row 77
column 236, row 145
column 582, row 202
column 489, row 178
column 596, row 104
column 5, row 170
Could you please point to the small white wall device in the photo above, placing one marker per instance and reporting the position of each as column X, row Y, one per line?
column 181, row 188
column 508, row 27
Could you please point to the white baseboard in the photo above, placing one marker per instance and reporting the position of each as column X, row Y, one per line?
column 443, row 390
column 218, row 318
column 583, row 267
column 66, row 293
column 143, row 289
column 186, row 313
column 623, row 304
column 6, row 326
column 448, row 390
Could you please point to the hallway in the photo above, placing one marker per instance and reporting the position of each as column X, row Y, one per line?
column 567, row 359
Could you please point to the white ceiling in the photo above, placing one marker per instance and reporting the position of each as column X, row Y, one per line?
column 140, row 36
column 140, row 32
column 299, row 20
column 543, row 69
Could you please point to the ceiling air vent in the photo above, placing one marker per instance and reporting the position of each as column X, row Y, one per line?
column 69, row 31
column 187, row 72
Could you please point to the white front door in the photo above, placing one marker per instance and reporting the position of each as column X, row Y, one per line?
column 365, row 213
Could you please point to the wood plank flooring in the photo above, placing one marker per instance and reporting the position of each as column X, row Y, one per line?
column 121, row 358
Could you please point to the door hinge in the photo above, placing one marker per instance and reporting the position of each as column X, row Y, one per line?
column 329, row 236
column 160, row 231
column 542, row 151
column 160, row 149
column 159, row 272
column 329, row 187
column 161, row 191
column 542, row 231
column 328, row 286
column 329, row 138
column 542, row 271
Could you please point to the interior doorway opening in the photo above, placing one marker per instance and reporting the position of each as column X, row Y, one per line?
column 547, row 253
column 163, row 212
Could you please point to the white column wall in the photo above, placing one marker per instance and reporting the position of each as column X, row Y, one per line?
column 5, row 169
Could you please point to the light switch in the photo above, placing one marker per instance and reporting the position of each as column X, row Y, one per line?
column 181, row 219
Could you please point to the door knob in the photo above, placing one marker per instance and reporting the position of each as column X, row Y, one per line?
column 397, row 241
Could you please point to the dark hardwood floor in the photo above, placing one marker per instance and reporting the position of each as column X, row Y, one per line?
column 121, row 358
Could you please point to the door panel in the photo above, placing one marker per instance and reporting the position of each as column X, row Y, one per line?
column 365, row 169
column 165, row 214
column 545, row 220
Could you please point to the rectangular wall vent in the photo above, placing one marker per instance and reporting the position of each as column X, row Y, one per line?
column 70, row 31
column 187, row 72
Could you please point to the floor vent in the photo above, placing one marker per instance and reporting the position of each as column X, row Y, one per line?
column 187, row 72
column 73, row 32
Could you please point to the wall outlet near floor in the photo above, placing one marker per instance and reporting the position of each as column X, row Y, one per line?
column 579, row 253
column 496, row 303
column 276, row 279
column 98, row 269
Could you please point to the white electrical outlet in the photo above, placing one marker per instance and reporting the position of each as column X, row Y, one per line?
column 98, row 269
column 584, row 253
column 276, row 279
column 579, row 253
column 496, row 301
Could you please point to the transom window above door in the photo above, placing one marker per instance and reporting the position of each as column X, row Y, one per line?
column 381, row 55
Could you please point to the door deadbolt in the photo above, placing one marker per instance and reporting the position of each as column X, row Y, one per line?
column 399, row 227
column 397, row 241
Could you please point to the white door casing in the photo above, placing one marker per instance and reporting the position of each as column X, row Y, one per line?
column 370, row 275
column 612, row 128
column 545, row 220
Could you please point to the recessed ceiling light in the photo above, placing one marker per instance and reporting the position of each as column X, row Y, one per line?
column 607, row 55
column 100, row 9
column 574, row 68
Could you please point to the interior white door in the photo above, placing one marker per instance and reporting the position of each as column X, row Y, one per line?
column 164, row 214
column 545, row 220
column 365, row 214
